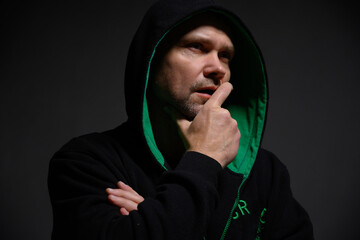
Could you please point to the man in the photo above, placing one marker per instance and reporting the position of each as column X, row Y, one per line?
column 177, row 169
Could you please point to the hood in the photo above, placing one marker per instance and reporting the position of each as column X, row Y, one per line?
column 248, row 101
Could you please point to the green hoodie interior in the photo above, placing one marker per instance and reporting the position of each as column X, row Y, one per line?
column 247, row 102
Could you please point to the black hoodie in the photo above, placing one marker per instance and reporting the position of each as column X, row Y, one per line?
column 249, row 199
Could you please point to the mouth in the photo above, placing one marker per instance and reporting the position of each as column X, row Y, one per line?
column 206, row 92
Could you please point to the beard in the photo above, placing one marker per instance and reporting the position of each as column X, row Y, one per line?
column 191, row 105
column 187, row 103
column 187, row 108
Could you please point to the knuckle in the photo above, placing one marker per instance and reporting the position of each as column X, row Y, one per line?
column 238, row 136
column 226, row 112
column 234, row 122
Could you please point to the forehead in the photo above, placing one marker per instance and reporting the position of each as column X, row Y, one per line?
column 208, row 19
column 207, row 34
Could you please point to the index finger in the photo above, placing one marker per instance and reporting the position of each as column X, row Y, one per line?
column 220, row 95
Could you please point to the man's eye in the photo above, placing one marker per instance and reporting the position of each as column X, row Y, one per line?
column 225, row 55
column 195, row 46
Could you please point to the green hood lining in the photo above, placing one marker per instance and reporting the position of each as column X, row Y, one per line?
column 250, row 116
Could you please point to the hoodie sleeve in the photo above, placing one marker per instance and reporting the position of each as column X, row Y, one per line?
column 180, row 208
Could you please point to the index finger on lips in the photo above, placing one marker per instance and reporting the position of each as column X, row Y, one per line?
column 220, row 95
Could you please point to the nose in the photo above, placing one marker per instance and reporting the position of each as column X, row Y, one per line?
column 214, row 68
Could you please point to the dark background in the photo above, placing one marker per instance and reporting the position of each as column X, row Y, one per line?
column 62, row 67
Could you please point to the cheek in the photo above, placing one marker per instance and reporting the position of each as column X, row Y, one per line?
column 182, row 64
column 179, row 73
column 169, row 82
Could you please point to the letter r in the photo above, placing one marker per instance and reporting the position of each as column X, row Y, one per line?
column 242, row 206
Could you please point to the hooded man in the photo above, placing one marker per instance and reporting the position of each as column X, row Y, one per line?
column 179, row 167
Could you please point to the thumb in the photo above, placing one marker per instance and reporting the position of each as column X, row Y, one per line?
column 183, row 125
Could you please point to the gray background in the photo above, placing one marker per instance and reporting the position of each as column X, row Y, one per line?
column 62, row 66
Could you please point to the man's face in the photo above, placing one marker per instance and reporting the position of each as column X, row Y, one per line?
column 193, row 68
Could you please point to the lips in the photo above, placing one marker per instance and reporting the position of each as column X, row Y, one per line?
column 206, row 90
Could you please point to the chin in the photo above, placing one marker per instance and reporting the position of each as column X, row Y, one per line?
column 191, row 111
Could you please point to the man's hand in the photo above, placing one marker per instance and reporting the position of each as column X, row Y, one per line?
column 124, row 197
column 213, row 131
